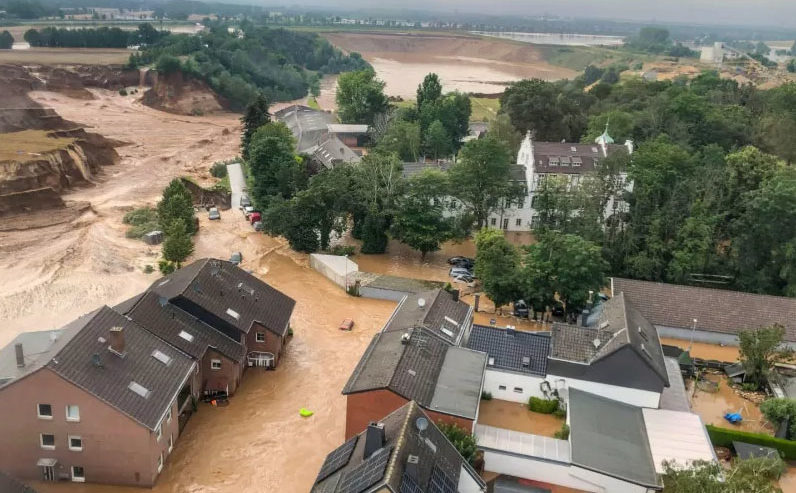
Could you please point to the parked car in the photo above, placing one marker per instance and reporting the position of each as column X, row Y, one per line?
column 258, row 225
column 236, row 258
column 347, row 324
column 255, row 217
column 213, row 214
column 460, row 271
column 465, row 278
column 462, row 262
column 520, row 309
column 247, row 210
column 245, row 201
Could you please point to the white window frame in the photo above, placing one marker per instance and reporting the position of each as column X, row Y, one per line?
column 160, row 462
column 44, row 416
column 41, row 441
column 171, row 442
column 159, row 431
column 215, row 364
column 73, row 419
column 258, row 338
column 168, row 415
column 78, row 479
column 73, row 448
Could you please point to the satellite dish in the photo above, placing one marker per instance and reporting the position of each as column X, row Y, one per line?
column 596, row 342
column 421, row 302
column 421, row 423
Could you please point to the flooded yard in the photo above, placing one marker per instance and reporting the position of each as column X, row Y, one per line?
column 702, row 350
column 711, row 407
column 516, row 416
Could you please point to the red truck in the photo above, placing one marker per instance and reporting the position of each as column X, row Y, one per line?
column 254, row 217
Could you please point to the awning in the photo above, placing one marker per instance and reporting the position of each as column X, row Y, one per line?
column 47, row 462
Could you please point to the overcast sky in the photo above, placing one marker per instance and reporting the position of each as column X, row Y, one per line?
column 739, row 12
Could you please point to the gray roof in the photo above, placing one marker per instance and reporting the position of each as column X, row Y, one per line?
column 421, row 369
column 347, row 128
column 509, row 350
column 167, row 321
column 438, row 461
column 674, row 396
column 331, row 151
column 11, row 485
column 109, row 382
column 545, row 154
column 716, row 310
column 751, row 450
column 610, row 437
column 617, row 324
column 439, row 314
column 308, row 126
column 224, row 289
column 410, row 169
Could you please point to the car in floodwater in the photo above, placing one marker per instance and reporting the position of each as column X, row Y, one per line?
column 213, row 214
column 245, row 201
column 247, row 210
column 236, row 258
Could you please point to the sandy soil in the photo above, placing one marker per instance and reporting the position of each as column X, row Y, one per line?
column 53, row 274
column 464, row 63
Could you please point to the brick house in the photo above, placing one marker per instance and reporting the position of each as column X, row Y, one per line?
column 100, row 400
column 220, row 359
column 234, row 302
column 415, row 361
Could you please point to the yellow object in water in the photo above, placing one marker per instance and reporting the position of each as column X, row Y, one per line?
column 305, row 413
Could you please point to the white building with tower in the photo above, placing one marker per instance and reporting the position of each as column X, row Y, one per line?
column 546, row 160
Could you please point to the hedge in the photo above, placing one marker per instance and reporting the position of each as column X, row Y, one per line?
column 723, row 437
column 543, row 406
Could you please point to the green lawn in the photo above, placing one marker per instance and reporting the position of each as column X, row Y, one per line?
column 578, row 57
column 484, row 109
column 313, row 103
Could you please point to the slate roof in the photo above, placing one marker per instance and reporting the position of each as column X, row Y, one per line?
column 545, row 154
column 421, row 370
column 11, row 485
column 331, row 151
column 507, row 351
column 219, row 286
column 166, row 321
column 610, row 437
column 438, row 461
column 716, row 310
column 674, row 396
column 437, row 305
column 110, row 381
column 617, row 324
column 309, row 126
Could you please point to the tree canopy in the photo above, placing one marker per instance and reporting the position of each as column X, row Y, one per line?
column 360, row 97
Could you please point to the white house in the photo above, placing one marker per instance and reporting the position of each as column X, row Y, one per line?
column 542, row 160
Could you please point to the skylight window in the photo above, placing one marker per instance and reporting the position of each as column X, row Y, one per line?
column 164, row 281
column 162, row 357
column 447, row 332
column 232, row 313
column 185, row 335
column 139, row 389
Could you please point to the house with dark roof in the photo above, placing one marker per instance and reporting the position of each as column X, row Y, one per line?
column 516, row 362
column 220, row 359
column 436, row 310
column 617, row 355
column 318, row 135
column 101, row 400
column 714, row 316
column 404, row 452
column 234, row 302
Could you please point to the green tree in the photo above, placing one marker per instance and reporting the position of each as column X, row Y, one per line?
column 502, row 130
column 463, row 440
column 760, row 349
column 255, row 116
column 480, row 179
column 419, row 219
column 178, row 245
column 6, row 40
column 550, row 113
column 167, row 64
column 437, row 141
column 757, row 475
column 566, row 265
column 554, row 204
column 428, row 91
column 374, row 232
column 497, row 265
column 360, row 97
column 778, row 410
column 275, row 171
column 402, row 138
column 176, row 204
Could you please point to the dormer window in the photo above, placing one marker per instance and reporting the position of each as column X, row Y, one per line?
column 554, row 161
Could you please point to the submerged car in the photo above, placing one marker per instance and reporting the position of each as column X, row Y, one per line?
column 213, row 214
column 236, row 258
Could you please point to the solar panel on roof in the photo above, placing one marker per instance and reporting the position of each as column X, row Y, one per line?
column 440, row 482
column 366, row 474
column 337, row 459
column 409, row 485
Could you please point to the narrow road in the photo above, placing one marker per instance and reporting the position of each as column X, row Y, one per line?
column 236, row 182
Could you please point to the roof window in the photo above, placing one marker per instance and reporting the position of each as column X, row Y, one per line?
column 185, row 335
column 573, row 149
column 594, row 150
column 164, row 281
column 526, row 361
column 447, row 332
column 162, row 357
column 576, row 161
column 139, row 389
column 491, row 361
column 232, row 313
column 553, row 161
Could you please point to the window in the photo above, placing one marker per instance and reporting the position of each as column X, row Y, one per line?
column 215, row 364
column 168, row 416
column 139, row 389
column 519, row 222
column 45, row 411
column 501, row 387
column 47, row 441
column 72, row 413
column 160, row 462
column 494, row 221
column 75, row 443
column 506, row 223
column 162, row 357
column 78, row 474
column 518, row 390
column 159, row 432
column 185, row 335
column 171, row 442
column 232, row 313
column 260, row 337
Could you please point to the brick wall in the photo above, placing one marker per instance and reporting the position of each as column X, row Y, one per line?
column 227, row 376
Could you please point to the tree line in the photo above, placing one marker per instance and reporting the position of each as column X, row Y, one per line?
column 102, row 37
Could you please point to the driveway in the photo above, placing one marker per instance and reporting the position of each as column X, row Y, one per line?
column 236, row 182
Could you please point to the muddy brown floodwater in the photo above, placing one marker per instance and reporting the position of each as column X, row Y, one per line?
column 516, row 416
column 706, row 351
column 711, row 407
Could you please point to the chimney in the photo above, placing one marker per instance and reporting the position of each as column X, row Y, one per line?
column 412, row 468
column 117, row 340
column 374, row 438
column 510, row 330
column 20, row 355
column 455, row 295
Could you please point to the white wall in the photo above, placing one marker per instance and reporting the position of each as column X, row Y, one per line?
column 635, row 397
column 603, row 483
column 529, row 384
column 467, row 484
